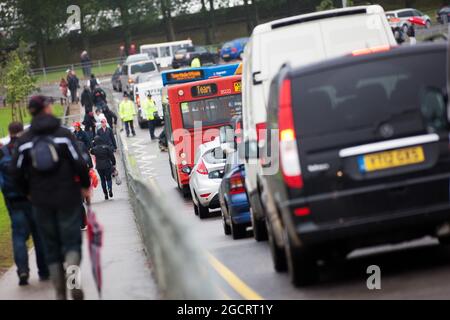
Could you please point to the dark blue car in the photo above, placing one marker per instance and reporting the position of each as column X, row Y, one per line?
column 233, row 199
column 233, row 50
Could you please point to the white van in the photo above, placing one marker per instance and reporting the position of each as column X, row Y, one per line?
column 154, row 86
column 163, row 52
column 298, row 40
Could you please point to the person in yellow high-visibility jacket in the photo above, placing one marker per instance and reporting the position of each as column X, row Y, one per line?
column 148, row 106
column 127, row 112
column 195, row 63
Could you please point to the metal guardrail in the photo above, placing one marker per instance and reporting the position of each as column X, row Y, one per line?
column 182, row 271
column 436, row 29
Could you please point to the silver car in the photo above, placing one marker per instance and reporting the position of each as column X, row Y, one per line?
column 399, row 18
column 131, row 71
column 206, row 176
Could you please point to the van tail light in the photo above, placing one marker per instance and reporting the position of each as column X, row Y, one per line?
column 201, row 168
column 130, row 80
column 289, row 160
column 236, row 184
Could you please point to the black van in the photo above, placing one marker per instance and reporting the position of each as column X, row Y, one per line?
column 364, row 155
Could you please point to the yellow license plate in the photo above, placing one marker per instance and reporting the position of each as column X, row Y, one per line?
column 391, row 159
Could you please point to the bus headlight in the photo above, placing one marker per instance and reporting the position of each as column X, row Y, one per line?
column 183, row 155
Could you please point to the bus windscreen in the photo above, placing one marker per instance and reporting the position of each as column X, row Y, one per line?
column 211, row 111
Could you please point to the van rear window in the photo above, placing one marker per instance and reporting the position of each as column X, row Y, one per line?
column 407, row 90
column 143, row 67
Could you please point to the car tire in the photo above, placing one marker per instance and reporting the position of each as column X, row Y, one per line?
column 226, row 226
column 195, row 208
column 428, row 24
column 301, row 263
column 278, row 254
column 259, row 228
column 203, row 212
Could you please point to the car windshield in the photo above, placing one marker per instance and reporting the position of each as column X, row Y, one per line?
column 143, row 67
column 211, row 111
column 406, row 89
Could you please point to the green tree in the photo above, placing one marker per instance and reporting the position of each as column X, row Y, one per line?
column 17, row 81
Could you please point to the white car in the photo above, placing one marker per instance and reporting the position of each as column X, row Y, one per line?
column 399, row 18
column 206, row 176
column 298, row 41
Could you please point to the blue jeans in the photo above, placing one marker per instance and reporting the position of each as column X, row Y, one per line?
column 60, row 231
column 23, row 224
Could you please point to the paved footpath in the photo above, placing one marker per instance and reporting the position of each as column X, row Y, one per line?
column 126, row 271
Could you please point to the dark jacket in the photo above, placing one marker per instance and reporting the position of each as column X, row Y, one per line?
column 99, row 97
column 104, row 155
column 10, row 190
column 57, row 189
column 85, row 153
column 107, row 136
column 83, row 137
column 86, row 100
column 73, row 82
column 110, row 116
column 89, row 122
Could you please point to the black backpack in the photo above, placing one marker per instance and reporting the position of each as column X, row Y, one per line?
column 44, row 154
column 7, row 184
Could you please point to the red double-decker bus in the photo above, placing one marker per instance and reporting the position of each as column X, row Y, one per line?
column 195, row 112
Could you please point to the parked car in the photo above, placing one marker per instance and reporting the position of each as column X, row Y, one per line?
column 115, row 80
column 298, row 40
column 184, row 56
column 363, row 156
column 234, row 49
column 130, row 72
column 137, row 58
column 205, row 177
column 400, row 18
column 443, row 15
column 233, row 198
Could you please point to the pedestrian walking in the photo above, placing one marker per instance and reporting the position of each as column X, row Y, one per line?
column 63, row 87
column 107, row 135
column 23, row 223
column 86, row 64
column 195, row 63
column 50, row 169
column 89, row 125
column 149, row 108
column 93, row 82
column 99, row 97
column 104, row 163
column 127, row 112
column 86, row 99
column 73, row 84
column 82, row 135
column 111, row 117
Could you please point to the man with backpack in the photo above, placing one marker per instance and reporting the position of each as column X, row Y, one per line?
column 50, row 169
column 104, row 163
column 21, row 213
column 99, row 97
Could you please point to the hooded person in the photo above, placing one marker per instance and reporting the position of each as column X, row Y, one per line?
column 86, row 99
column 104, row 164
column 107, row 135
column 51, row 171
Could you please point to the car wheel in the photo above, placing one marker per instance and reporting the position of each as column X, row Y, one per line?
column 428, row 24
column 277, row 253
column 259, row 228
column 203, row 212
column 195, row 208
column 226, row 226
column 302, row 264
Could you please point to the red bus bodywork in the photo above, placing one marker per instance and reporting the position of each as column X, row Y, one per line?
column 184, row 139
